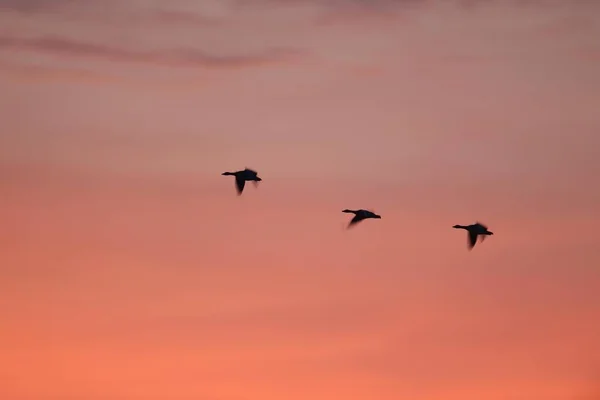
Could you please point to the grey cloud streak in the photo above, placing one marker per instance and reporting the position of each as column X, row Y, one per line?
column 33, row 6
column 176, row 57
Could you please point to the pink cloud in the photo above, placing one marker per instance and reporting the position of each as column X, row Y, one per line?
column 189, row 58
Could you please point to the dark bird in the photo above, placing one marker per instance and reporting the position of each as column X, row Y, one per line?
column 242, row 176
column 359, row 215
column 475, row 230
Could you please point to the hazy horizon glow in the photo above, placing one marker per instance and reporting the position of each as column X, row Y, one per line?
column 131, row 270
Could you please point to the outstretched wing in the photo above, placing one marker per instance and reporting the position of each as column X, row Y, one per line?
column 240, row 182
column 357, row 218
column 481, row 225
column 472, row 239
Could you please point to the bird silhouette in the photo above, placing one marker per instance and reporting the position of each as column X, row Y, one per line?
column 475, row 230
column 242, row 176
column 359, row 215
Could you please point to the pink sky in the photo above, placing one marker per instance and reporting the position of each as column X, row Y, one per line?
column 131, row 270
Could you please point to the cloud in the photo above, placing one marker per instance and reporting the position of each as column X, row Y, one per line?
column 33, row 5
column 110, row 10
column 335, row 5
column 384, row 5
column 181, row 17
column 49, row 73
column 176, row 57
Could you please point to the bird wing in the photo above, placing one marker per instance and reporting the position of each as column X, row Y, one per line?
column 357, row 218
column 472, row 239
column 240, row 182
column 481, row 225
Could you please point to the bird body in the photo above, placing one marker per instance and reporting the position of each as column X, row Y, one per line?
column 359, row 215
column 242, row 176
column 475, row 230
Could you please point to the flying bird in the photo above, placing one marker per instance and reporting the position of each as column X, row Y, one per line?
column 475, row 230
column 242, row 176
column 359, row 215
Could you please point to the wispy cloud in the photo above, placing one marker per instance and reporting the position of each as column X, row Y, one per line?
column 109, row 10
column 176, row 57
column 34, row 5
column 167, row 16
column 39, row 72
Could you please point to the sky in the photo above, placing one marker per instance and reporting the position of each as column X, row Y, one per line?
column 131, row 270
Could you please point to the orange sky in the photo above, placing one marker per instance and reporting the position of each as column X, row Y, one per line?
column 131, row 270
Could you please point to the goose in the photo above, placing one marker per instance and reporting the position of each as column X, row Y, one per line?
column 242, row 176
column 475, row 230
column 359, row 215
